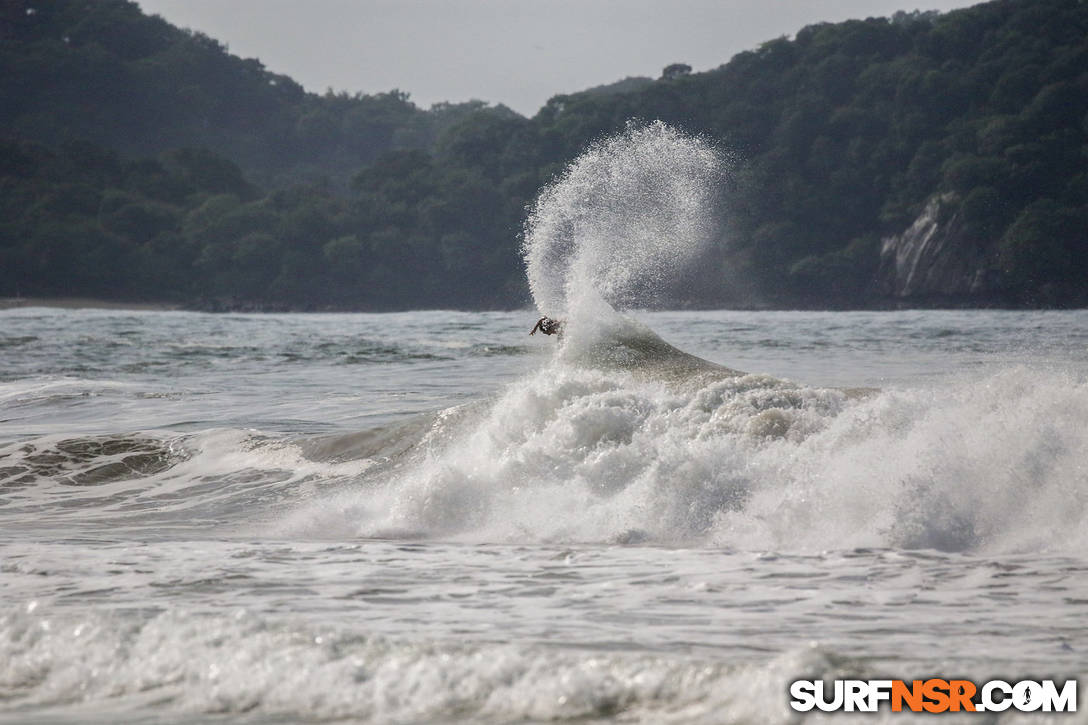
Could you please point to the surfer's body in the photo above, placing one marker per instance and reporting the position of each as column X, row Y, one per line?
column 548, row 326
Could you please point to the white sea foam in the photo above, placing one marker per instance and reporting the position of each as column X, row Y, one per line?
column 57, row 665
column 246, row 664
column 577, row 454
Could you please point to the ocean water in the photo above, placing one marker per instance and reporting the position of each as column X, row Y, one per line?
column 433, row 517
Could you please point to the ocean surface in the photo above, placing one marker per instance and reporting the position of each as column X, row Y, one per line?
column 432, row 517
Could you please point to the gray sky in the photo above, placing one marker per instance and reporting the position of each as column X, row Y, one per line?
column 517, row 52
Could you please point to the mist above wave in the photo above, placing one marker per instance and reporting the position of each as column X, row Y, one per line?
column 622, row 222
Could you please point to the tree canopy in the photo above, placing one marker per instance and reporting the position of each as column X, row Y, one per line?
column 146, row 161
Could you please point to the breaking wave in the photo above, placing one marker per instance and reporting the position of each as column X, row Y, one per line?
column 745, row 461
column 625, row 441
column 622, row 437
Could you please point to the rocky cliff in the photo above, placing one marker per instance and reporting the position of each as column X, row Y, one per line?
column 934, row 260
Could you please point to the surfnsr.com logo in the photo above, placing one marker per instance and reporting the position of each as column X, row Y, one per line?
column 933, row 695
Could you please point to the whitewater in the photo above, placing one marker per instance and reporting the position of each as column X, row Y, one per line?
column 432, row 517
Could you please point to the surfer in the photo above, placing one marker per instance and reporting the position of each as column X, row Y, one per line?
column 548, row 326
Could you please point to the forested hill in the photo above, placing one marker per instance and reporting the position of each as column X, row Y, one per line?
column 921, row 159
column 104, row 72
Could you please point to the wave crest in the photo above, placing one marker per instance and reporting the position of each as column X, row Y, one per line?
column 622, row 221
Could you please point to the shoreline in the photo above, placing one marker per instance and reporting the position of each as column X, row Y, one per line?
column 83, row 303
column 93, row 303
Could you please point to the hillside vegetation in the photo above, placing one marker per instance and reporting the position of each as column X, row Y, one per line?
column 145, row 162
